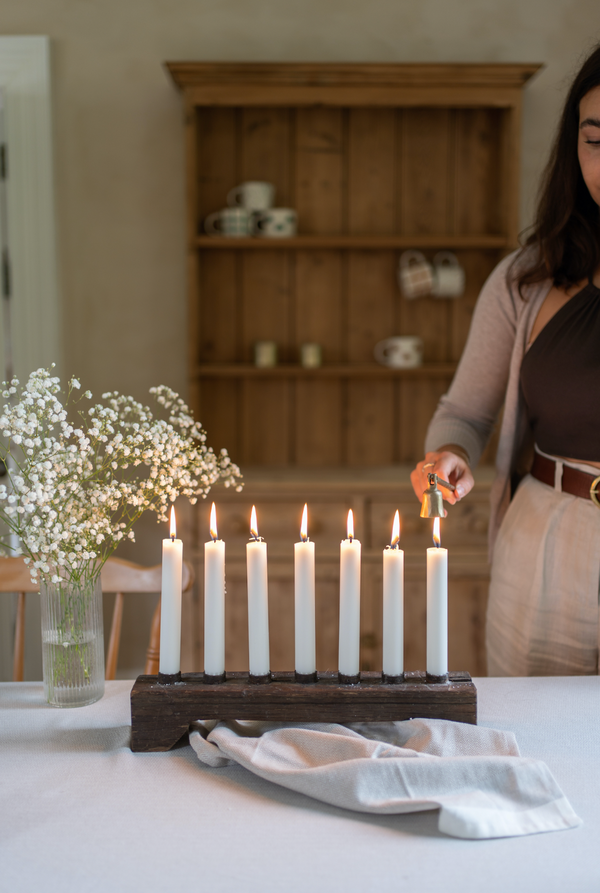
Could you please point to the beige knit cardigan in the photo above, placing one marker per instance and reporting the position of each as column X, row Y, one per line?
column 488, row 377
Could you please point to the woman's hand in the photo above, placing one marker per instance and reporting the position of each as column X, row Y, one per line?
column 451, row 464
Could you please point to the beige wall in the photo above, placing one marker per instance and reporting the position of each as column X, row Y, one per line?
column 118, row 137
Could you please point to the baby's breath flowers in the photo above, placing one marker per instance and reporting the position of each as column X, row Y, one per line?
column 75, row 487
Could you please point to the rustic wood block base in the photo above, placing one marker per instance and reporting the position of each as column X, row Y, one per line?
column 161, row 714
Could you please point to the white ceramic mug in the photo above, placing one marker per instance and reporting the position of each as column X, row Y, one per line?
column 449, row 276
column 400, row 352
column 415, row 275
column 310, row 355
column 276, row 223
column 254, row 195
column 233, row 222
column 265, row 354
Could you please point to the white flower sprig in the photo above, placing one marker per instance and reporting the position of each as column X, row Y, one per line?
column 75, row 490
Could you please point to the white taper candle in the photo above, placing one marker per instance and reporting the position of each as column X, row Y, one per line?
column 214, row 601
column 258, row 602
column 349, row 641
column 437, row 606
column 393, row 604
column 170, row 606
column 304, row 602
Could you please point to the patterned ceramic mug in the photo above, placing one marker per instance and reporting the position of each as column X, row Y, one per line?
column 415, row 275
column 229, row 222
column 276, row 223
column 449, row 276
column 400, row 352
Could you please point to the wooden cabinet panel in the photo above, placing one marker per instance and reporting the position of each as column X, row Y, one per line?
column 219, row 337
column 427, row 169
column 216, row 169
column 319, row 429
column 480, row 177
column 219, row 413
column 266, row 290
column 318, row 306
column 372, row 297
column 370, row 423
column 372, row 157
column 319, row 163
column 266, row 423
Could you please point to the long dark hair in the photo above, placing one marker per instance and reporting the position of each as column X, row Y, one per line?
column 564, row 243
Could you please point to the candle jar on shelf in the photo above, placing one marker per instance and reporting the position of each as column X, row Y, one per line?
column 72, row 641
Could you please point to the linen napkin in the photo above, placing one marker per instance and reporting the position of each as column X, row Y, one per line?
column 475, row 776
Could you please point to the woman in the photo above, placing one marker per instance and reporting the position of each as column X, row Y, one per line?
column 534, row 346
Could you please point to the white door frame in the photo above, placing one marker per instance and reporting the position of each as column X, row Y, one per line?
column 34, row 295
column 35, row 306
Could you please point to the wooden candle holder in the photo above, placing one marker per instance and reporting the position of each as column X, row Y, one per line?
column 161, row 713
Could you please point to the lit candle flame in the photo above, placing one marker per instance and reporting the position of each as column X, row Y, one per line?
column 253, row 524
column 436, row 533
column 350, row 525
column 173, row 533
column 213, row 523
column 304, row 525
column 396, row 531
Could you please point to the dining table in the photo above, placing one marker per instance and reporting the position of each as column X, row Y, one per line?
column 79, row 811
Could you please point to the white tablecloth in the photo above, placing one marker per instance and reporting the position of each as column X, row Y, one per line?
column 79, row 811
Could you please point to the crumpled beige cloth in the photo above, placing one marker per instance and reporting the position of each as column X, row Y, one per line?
column 475, row 776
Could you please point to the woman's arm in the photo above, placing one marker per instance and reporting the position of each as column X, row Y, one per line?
column 465, row 416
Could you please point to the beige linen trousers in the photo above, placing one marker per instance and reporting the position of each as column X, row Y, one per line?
column 543, row 615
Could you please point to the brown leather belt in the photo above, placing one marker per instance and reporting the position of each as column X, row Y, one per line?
column 575, row 482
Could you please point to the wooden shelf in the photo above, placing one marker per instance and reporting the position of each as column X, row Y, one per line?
column 349, row 370
column 365, row 242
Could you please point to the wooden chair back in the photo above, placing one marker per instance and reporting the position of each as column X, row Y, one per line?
column 119, row 576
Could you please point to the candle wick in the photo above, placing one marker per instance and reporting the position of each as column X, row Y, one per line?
column 172, row 537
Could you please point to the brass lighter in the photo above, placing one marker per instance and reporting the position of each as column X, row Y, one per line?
column 433, row 503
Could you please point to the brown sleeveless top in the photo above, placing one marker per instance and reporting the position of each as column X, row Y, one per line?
column 560, row 379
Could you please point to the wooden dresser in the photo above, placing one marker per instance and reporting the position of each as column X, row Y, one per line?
column 376, row 159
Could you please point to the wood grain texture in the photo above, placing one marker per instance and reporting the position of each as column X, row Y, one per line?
column 162, row 714
column 324, row 74
column 320, row 170
column 371, row 183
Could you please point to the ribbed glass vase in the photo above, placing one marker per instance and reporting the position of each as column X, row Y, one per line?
column 72, row 642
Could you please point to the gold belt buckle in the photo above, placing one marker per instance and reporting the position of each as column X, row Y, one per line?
column 594, row 491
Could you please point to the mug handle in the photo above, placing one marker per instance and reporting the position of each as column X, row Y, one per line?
column 257, row 220
column 380, row 352
column 211, row 221
column 233, row 197
column 445, row 259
